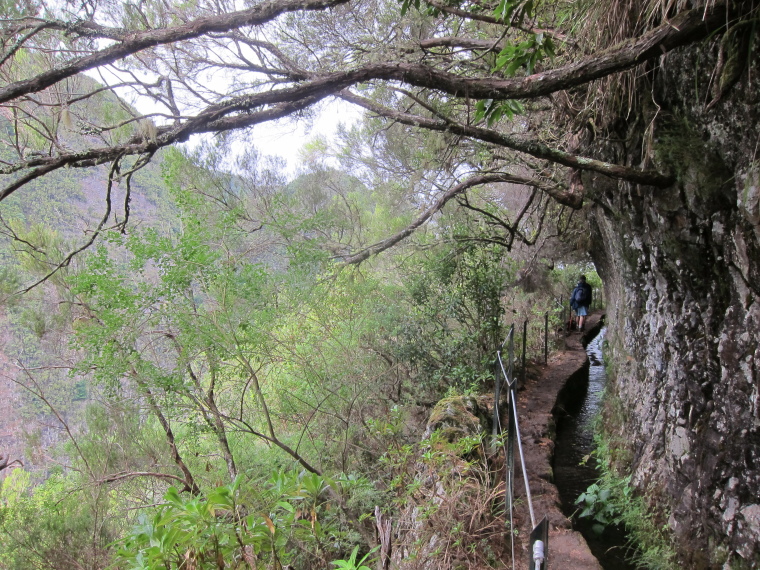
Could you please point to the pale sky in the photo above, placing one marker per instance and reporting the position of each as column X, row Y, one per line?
column 286, row 138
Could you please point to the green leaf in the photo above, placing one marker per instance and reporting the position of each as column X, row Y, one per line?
column 587, row 512
column 406, row 4
column 598, row 529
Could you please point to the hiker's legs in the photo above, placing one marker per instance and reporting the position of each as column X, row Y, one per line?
column 581, row 312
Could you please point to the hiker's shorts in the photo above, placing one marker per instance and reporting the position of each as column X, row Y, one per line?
column 581, row 311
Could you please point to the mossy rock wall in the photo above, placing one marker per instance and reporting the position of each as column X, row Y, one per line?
column 681, row 268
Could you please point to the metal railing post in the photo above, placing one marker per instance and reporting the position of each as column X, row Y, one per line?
column 524, row 349
column 539, row 536
column 496, row 397
column 511, row 368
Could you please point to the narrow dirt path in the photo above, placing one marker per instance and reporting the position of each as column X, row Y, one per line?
column 543, row 391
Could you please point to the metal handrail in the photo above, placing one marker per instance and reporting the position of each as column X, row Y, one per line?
column 505, row 377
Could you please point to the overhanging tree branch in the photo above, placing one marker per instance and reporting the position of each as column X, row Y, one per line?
column 247, row 110
column 687, row 27
column 531, row 147
column 477, row 180
column 134, row 42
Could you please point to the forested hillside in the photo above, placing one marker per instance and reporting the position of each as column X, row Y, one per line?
column 216, row 354
column 214, row 364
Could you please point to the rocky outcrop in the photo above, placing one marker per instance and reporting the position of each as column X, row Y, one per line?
column 451, row 509
column 681, row 268
column 460, row 416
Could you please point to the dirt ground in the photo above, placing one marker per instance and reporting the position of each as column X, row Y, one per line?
column 567, row 549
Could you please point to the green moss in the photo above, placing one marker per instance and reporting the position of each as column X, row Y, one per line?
column 699, row 171
column 456, row 417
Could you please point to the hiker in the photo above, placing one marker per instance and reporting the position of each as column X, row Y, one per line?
column 580, row 300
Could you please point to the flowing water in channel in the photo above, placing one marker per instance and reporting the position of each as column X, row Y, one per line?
column 573, row 475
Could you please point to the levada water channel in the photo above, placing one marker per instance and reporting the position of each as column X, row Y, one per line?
column 573, row 470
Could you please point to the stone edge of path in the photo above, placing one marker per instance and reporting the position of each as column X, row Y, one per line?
column 536, row 402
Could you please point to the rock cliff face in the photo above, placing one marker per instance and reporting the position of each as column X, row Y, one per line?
column 682, row 273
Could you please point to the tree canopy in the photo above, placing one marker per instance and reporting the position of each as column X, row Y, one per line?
column 225, row 393
column 465, row 69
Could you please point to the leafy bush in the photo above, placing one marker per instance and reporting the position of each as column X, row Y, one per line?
column 292, row 519
column 597, row 503
column 48, row 526
column 613, row 500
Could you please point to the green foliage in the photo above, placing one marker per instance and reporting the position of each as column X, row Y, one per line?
column 233, row 327
column 191, row 530
column 10, row 282
column 290, row 520
column 406, row 4
column 525, row 55
column 455, row 324
column 522, row 55
column 613, row 500
column 514, row 12
column 352, row 563
column 46, row 526
column 596, row 504
column 494, row 110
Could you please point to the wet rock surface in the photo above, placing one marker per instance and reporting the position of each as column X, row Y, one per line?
column 681, row 268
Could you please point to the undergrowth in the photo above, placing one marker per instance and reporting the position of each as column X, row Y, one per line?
column 450, row 505
column 613, row 500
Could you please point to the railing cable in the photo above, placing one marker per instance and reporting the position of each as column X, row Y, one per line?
column 505, row 377
column 524, row 468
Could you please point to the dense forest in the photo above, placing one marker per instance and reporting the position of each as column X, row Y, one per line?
column 226, row 357
column 215, row 357
column 209, row 360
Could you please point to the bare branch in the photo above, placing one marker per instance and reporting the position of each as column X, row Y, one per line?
column 5, row 462
column 463, row 43
column 67, row 260
column 189, row 480
column 134, row 42
column 531, row 147
column 132, row 474
column 15, row 47
column 477, row 180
